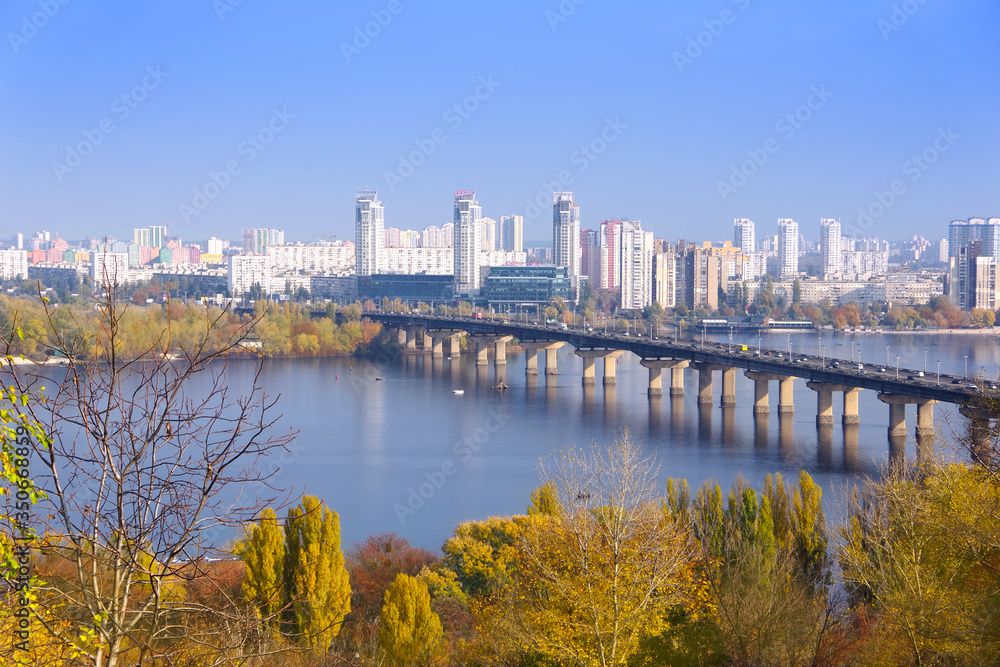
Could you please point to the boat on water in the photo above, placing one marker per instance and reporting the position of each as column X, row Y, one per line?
column 379, row 379
column 458, row 391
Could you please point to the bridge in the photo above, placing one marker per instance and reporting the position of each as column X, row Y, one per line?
column 895, row 387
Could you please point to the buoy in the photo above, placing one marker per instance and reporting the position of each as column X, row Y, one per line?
column 336, row 377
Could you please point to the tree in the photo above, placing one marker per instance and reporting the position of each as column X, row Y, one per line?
column 796, row 291
column 410, row 631
column 596, row 579
column 139, row 474
column 263, row 553
column 316, row 581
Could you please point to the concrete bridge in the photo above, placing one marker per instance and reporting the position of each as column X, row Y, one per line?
column 896, row 388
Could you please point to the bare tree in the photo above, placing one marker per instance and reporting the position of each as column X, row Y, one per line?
column 149, row 462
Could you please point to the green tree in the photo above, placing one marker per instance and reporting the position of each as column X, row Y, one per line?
column 316, row 581
column 544, row 500
column 410, row 631
column 796, row 291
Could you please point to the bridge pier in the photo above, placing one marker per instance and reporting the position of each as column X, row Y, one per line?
column 455, row 345
column 980, row 438
column 704, row 385
column 532, row 348
column 761, row 391
column 728, row 387
column 411, row 339
column 925, row 419
column 824, row 400
column 500, row 351
column 677, row 378
column 401, row 336
column 851, row 415
column 483, row 344
column 786, row 395
column 656, row 367
column 437, row 343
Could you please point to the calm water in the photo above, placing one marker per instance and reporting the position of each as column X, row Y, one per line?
column 408, row 455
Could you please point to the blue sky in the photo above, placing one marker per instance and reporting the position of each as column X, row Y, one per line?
column 683, row 115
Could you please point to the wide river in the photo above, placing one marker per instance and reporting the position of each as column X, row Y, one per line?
column 408, row 455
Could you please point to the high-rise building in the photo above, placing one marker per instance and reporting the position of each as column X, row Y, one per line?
column 214, row 246
column 610, row 255
column 702, row 278
column 467, row 243
column 590, row 256
column 245, row 271
column 636, row 266
column 13, row 265
column 512, row 233
column 109, row 267
column 566, row 236
column 788, row 247
column 744, row 235
column 488, row 235
column 255, row 240
column 830, row 248
column 665, row 279
column 369, row 232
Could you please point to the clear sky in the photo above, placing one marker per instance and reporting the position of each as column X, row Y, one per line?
column 685, row 115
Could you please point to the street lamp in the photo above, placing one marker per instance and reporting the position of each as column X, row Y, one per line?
column 789, row 347
column 730, row 340
column 852, row 351
column 897, row 366
column 939, row 371
column 758, row 342
column 822, row 358
column 966, row 366
column 925, row 361
column 886, row 355
column 819, row 345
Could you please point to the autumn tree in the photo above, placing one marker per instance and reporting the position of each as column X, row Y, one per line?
column 263, row 554
column 409, row 631
column 595, row 579
column 316, row 582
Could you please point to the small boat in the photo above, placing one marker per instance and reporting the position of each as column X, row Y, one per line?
column 379, row 379
column 458, row 391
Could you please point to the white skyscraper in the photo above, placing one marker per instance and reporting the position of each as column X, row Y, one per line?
column 744, row 235
column 488, row 235
column 369, row 221
column 788, row 247
column 830, row 249
column 566, row 234
column 512, row 233
column 636, row 266
column 468, row 243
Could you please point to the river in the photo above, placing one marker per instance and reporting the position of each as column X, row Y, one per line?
column 406, row 454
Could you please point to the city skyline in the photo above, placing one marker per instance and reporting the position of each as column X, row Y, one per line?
column 184, row 120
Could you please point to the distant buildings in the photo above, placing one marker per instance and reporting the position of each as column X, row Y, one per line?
column 829, row 248
column 968, row 241
column 369, row 232
column 256, row 239
column 467, row 214
column 636, row 266
column 566, row 235
column 13, row 265
column 245, row 271
column 788, row 247
column 109, row 267
column 512, row 232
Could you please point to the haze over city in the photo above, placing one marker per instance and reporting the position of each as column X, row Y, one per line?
column 117, row 116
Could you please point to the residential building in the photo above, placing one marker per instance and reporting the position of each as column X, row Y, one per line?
column 255, row 239
column 610, row 254
column 744, row 235
column 245, row 271
column 788, row 247
column 109, row 267
column 830, row 249
column 488, row 234
column 512, row 232
column 467, row 244
column 590, row 256
column 13, row 264
column 665, row 279
column 566, row 235
column 636, row 266
column 369, row 231
column 322, row 257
